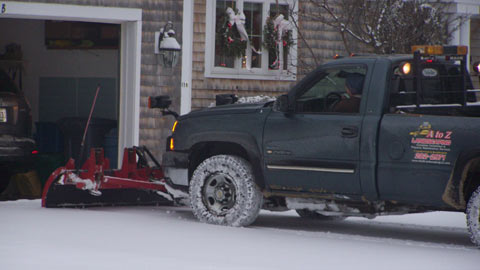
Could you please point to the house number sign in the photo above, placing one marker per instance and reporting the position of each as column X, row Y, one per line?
column 4, row 8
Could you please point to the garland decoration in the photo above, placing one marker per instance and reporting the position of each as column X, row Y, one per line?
column 277, row 33
column 229, row 38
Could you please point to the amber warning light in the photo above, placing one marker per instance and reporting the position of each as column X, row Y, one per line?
column 476, row 67
column 172, row 144
column 174, row 126
column 440, row 50
column 406, row 67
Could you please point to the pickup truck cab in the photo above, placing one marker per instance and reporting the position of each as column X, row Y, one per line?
column 358, row 136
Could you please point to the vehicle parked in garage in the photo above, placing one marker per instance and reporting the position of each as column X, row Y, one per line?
column 359, row 136
column 16, row 143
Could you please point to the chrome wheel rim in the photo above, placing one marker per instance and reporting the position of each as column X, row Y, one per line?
column 219, row 194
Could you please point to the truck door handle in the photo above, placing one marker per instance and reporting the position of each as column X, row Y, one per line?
column 350, row 132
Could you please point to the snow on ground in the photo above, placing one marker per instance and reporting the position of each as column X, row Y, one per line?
column 151, row 237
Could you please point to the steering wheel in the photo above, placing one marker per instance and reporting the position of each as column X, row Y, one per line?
column 332, row 99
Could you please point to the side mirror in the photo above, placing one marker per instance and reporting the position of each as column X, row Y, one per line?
column 161, row 102
column 282, row 104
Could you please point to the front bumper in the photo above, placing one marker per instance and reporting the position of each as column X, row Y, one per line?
column 175, row 167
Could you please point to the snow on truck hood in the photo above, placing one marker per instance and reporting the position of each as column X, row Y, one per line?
column 227, row 109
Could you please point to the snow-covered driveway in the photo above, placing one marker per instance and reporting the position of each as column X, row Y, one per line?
column 32, row 237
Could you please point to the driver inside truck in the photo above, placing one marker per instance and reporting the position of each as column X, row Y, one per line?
column 350, row 102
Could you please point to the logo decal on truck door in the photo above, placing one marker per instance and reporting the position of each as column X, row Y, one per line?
column 429, row 145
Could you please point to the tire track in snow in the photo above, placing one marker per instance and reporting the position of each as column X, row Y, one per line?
column 424, row 236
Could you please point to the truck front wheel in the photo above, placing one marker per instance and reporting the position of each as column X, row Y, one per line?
column 223, row 192
column 473, row 217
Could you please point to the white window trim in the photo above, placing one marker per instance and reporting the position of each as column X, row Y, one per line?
column 263, row 73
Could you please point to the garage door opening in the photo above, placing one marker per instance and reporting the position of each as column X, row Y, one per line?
column 60, row 60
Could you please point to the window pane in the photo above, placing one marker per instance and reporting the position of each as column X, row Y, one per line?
column 221, row 58
column 336, row 90
column 272, row 56
column 253, row 24
column 283, row 9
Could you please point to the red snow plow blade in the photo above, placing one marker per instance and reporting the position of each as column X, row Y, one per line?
column 95, row 184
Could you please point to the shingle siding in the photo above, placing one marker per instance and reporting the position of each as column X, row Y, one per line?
column 475, row 46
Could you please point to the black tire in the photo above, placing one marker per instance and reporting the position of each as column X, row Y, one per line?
column 223, row 192
column 309, row 214
column 473, row 217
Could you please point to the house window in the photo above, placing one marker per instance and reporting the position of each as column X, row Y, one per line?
column 251, row 60
column 253, row 24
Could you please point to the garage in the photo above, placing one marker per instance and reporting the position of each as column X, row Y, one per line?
column 59, row 56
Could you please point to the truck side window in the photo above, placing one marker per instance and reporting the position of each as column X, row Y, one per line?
column 337, row 90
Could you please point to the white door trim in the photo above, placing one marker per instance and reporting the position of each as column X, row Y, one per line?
column 130, row 51
column 187, row 57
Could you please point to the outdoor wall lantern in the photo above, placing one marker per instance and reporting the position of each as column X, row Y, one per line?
column 167, row 46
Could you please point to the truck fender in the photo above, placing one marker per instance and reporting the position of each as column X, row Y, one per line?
column 245, row 141
column 454, row 191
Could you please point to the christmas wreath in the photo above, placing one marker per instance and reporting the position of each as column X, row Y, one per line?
column 270, row 33
column 229, row 38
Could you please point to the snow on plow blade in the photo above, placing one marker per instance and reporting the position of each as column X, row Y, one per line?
column 95, row 184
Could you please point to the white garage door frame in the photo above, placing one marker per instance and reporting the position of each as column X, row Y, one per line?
column 130, row 20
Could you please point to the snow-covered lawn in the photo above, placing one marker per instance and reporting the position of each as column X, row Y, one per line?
column 32, row 237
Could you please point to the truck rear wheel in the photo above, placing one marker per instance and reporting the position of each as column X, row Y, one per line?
column 309, row 214
column 223, row 192
column 473, row 217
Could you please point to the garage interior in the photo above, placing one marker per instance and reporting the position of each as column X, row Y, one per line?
column 58, row 66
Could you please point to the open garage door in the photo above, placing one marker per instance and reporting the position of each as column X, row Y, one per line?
column 65, row 51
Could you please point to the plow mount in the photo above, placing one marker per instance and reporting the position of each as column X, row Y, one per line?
column 95, row 184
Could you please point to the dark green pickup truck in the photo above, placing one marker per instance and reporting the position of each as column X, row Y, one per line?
column 359, row 136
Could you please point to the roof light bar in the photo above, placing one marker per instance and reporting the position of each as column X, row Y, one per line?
column 440, row 50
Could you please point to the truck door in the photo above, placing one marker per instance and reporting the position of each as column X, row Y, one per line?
column 418, row 144
column 316, row 147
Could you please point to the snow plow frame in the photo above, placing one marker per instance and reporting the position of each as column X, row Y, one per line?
column 95, row 184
